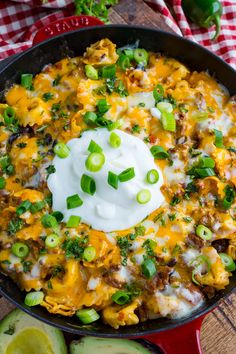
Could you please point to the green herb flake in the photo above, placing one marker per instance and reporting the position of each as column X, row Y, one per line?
column 48, row 96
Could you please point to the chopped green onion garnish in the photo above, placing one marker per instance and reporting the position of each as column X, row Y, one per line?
column 95, row 161
column 89, row 253
column 108, row 71
column 148, row 268
column 164, row 106
column 129, row 53
column 218, row 139
column 87, row 316
column 73, row 201
column 73, row 221
column 194, row 279
column 35, row 207
column 141, row 56
column 88, row 184
column 206, row 162
column 2, row 183
column 20, row 250
column 91, row 72
column 114, row 140
column 158, row 92
column 90, row 118
column 121, row 297
column 61, row 150
column 23, row 207
column 168, row 121
column 126, row 175
column 124, row 62
column 203, row 232
column 143, row 196
column 204, row 172
column 34, row 298
column 9, row 115
column 103, row 106
column 229, row 197
column 48, row 220
column 228, row 262
column 115, row 125
column 26, row 81
column 152, row 176
column 159, row 152
column 58, row 215
column 52, row 241
column 94, row 147
column 113, row 179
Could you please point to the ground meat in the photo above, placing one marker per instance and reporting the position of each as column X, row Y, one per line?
column 160, row 280
column 4, row 198
column 142, row 314
column 220, row 245
column 209, row 292
column 194, row 240
column 110, row 277
column 172, row 262
column 200, row 102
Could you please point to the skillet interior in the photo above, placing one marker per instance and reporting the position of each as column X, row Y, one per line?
column 72, row 44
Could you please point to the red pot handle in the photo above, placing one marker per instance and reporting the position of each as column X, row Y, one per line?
column 64, row 25
column 181, row 340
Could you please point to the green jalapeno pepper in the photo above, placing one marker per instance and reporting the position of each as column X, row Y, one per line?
column 204, row 13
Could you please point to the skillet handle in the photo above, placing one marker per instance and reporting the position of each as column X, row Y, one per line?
column 64, row 25
column 181, row 340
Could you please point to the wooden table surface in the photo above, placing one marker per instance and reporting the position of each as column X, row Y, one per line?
column 218, row 333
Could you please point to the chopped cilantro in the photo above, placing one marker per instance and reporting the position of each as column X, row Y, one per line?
column 26, row 266
column 14, row 225
column 57, row 80
column 57, row 270
column 47, row 96
column 74, row 248
column 50, row 169
column 149, row 246
column 136, row 129
column 141, row 104
column 172, row 217
column 124, row 244
column 140, row 230
column 21, row 145
column 175, row 200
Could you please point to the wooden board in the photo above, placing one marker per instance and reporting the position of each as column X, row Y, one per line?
column 218, row 334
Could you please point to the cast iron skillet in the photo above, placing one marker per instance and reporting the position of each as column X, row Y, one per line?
column 186, row 338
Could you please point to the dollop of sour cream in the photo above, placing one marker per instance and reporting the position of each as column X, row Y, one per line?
column 108, row 209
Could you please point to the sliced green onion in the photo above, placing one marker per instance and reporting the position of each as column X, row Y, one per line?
column 164, row 106
column 61, row 150
column 141, row 56
column 129, row 53
column 218, row 139
column 228, row 262
column 2, row 183
column 90, row 118
column 152, row 176
column 52, row 241
column 108, row 71
column 204, row 172
column 199, row 116
column 116, row 125
column 124, row 62
column 26, row 81
column 20, row 249
column 148, row 268
column 73, row 221
column 73, row 201
column 48, row 220
column 87, row 316
column 94, row 147
column 113, row 179
column 229, row 197
column 88, row 184
column 95, row 161
column 103, row 106
column 58, row 215
column 114, row 140
column 34, row 298
column 159, row 152
column 143, row 196
column 126, row 175
column 194, row 279
column 23, row 207
column 203, row 232
column 91, row 72
column 206, row 162
column 9, row 115
column 158, row 92
column 168, row 121
column 89, row 253
column 35, row 207
column 121, row 297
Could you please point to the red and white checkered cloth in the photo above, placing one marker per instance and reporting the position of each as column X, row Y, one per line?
column 20, row 20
